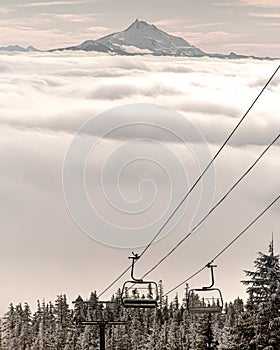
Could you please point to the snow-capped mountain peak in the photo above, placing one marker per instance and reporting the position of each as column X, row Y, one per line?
column 149, row 38
column 142, row 38
column 140, row 25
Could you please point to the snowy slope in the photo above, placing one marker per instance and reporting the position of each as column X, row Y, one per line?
column 94, row 45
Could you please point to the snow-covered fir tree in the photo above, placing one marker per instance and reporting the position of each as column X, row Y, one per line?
column 263, row 306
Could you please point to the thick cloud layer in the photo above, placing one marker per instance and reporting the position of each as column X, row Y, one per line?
column 44, row 100
column 75, row 88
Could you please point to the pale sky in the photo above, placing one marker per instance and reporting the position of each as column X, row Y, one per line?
column 242, row 26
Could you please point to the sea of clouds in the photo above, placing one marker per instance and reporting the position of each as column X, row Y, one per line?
column 46, row 97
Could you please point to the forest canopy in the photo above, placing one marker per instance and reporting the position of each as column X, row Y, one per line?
column 245, row 325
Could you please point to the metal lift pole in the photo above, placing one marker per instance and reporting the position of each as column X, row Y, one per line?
column 102, row 326
column 101, row 323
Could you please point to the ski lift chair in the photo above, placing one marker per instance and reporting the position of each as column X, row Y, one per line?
column 205, row 300
column 131, row 297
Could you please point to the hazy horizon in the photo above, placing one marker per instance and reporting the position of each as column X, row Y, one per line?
column 246, row 27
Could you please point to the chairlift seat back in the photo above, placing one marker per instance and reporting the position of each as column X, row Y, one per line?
column 140, row 294
column 205, row 300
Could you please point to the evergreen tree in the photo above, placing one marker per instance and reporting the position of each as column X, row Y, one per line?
column 43, row 327
column 160, row 294
column 63, row 322
column 25, row 336
column 206, row 340
column 79, row 314
column 1, row 334
column 229, row 332
column 9, row 326
column 86, row 339
column 263, row 305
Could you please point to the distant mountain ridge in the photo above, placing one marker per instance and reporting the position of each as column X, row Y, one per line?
column 140, row 38
column 17, row 48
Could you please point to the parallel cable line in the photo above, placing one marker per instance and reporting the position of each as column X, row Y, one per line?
column 226, row 247
column 195, row 183
column 212, row 209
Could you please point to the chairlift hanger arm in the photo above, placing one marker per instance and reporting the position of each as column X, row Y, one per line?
column 211, row 267
column 134, row 258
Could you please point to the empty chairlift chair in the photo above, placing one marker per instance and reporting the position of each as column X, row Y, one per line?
column 206, row 299
column 138, row 293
